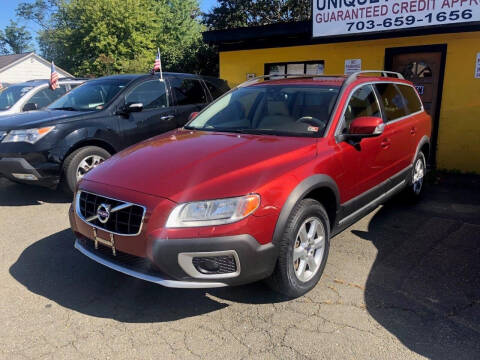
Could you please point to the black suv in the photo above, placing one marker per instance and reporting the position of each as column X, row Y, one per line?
column 97, row 119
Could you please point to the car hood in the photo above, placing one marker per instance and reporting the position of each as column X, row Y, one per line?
column 32, row 119
column 193, row 165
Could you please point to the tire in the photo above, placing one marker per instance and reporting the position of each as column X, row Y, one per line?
column 416, row 181
column 93, row 155
column 287, row 277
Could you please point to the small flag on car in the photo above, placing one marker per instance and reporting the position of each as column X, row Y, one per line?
column 53, row 78
column 157, row 66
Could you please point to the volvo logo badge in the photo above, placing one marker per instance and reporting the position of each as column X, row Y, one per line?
column 103, row 213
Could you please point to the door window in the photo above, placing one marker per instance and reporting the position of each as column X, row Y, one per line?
column 188, row 91
column 362, row 103
column 46, row 96
column 411, row 99
column 393, row 102
column 152, row 94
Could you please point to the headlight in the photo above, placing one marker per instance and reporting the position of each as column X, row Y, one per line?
column 29, row 135
column 213, row 212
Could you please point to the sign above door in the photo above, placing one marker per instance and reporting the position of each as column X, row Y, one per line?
column 345, row 17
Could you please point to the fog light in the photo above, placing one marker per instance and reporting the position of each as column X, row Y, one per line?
column 25, row 177
column 210, row 264
column 215, row 264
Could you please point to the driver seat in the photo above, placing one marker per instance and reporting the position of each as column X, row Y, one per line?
column 277, row 115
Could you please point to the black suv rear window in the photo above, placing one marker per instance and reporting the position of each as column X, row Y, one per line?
column 188, row 91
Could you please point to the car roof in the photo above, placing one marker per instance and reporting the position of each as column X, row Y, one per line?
column 131, row 77
column 46, row 81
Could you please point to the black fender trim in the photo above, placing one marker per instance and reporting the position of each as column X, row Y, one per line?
column 301, row 190
column 424, row 140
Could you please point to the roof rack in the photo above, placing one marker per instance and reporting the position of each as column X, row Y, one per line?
column 383, row 73
column 350, row 78
column 291, row 76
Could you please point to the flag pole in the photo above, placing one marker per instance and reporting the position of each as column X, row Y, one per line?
column 160, row 57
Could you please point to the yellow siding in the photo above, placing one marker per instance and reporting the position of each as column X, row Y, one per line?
column 458, row 145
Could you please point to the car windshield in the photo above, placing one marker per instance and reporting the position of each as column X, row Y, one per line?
column 11, row 95
column 93, row 95
column 291, row 110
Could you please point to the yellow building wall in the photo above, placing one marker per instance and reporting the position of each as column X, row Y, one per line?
column 458, row 146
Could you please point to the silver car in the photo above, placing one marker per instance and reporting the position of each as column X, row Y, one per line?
column 33, row 95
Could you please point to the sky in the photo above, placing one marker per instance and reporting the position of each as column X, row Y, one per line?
column 8, row 12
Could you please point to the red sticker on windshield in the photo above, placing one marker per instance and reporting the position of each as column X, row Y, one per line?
column 313, row 128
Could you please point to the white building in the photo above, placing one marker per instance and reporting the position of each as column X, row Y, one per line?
column 23, row 67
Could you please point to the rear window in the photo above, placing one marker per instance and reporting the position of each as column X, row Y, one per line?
column 393, row 101
column 188, row 91
column 215, row 90
column 411, row 99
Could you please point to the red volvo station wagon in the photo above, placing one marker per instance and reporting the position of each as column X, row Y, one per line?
column 255, row 186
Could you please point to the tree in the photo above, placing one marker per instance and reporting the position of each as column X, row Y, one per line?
column 93, row 37
column 15, row 39
column 241, row 13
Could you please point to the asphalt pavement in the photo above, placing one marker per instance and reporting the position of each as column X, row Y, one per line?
column 403, row 283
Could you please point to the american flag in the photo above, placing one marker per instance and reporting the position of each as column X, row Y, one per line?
column 53, row 78
column 157, row 66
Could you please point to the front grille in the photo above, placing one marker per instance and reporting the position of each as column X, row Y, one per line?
column 2, row 134
column 124, row 218
column 215, row 264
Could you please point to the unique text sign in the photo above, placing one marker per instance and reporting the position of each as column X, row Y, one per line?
column 341, row 17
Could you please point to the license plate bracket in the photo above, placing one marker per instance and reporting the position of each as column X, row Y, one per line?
column 109, row 243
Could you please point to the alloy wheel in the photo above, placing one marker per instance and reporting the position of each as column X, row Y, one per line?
column 418, row 176
column 88, row 164
column 309, row 249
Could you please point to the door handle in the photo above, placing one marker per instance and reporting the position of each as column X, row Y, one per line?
column 167, row 117
column 386, row 143
column 413, row 130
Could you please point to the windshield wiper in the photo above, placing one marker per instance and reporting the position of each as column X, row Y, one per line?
column 66, row 108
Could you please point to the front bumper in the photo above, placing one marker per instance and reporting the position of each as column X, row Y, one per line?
column 169, row 263
column 242, row 251
column 21, row 169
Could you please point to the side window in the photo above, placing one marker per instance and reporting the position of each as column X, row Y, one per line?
column 214, row 90
column 46, row 96
column 152, row 94
column 411, row 99
column 188, row 91
column 362, row 103
column 393, row 101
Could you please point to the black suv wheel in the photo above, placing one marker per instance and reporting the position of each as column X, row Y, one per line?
column 81, row 161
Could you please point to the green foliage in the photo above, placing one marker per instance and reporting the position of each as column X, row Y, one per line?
column 99, row 37
column 15, row 39
column 242, row 13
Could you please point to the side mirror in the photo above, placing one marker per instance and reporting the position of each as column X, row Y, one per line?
column 193, row 115
column 30, row 107
column 132, row 108
column 364, row 127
